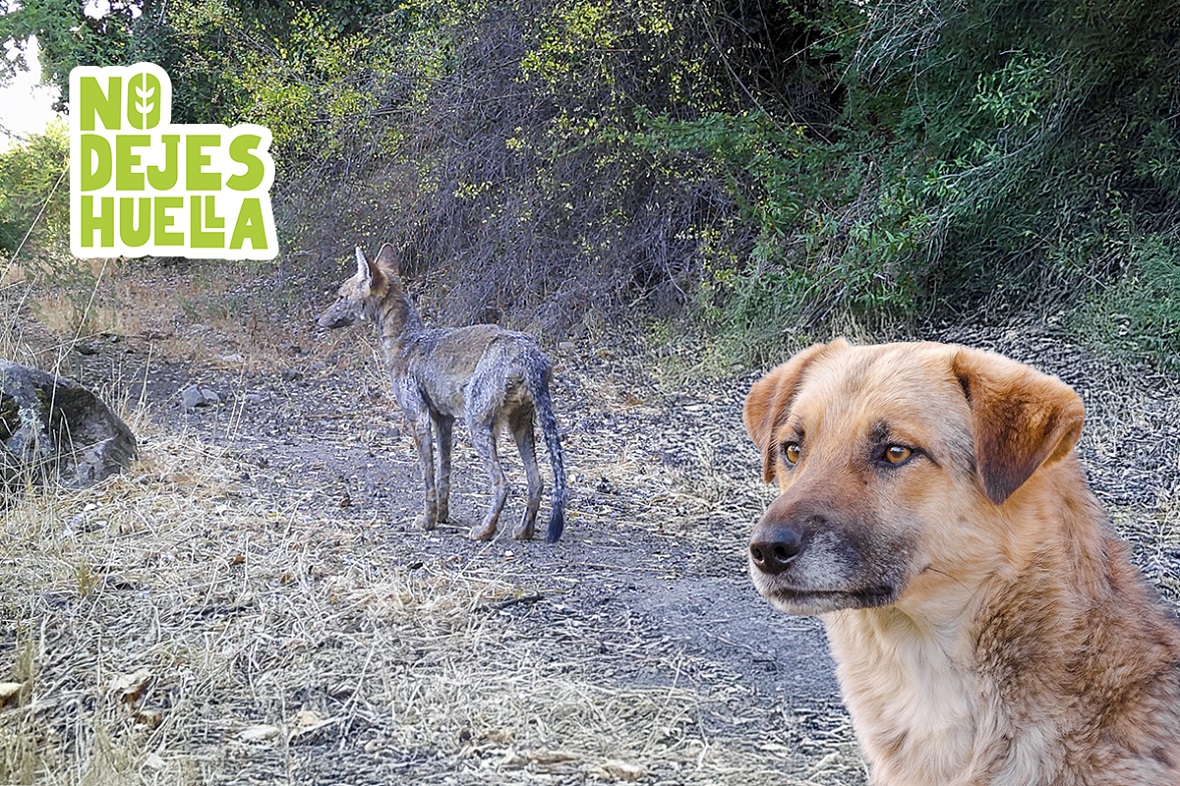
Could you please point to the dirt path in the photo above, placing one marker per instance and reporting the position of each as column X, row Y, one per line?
column 647, row 589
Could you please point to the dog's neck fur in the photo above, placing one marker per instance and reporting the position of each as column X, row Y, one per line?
column 927, row 682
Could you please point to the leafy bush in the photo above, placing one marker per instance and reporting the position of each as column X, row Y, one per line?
column 34, row 192
column 1139, row 314
column 988, row 158
column 776, row 166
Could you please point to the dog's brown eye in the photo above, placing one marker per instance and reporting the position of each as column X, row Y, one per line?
column 896, row 454
column 791, row 452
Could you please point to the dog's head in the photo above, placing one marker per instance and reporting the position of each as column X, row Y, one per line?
column 360, row 297
column 895, row 466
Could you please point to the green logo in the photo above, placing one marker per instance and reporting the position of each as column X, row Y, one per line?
column 140, row 185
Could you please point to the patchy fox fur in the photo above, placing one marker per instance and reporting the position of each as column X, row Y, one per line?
column 486, row 375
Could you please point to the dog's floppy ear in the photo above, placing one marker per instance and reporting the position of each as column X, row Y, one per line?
column 769, row 399
column 1021, row 419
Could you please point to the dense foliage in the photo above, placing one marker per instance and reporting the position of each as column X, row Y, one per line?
column 769, row 164
column 34, row 192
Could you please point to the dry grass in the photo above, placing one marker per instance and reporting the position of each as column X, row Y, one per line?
column 200, row 311
column 173, row 626
column 1155, row 537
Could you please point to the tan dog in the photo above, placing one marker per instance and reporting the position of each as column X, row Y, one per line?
column 987, row 625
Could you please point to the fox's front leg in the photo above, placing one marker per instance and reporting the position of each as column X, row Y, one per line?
column 423, row 438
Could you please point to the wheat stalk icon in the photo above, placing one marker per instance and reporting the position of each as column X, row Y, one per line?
column 146, row 104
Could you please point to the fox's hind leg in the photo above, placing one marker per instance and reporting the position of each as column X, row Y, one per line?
column 484, row 437
column 442, row 432
column 521, row 425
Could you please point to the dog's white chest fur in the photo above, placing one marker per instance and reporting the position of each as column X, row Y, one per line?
column 917, row 703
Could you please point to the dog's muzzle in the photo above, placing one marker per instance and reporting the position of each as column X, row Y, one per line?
column 805, row 562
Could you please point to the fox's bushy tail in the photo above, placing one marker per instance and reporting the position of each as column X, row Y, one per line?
column 539, row 372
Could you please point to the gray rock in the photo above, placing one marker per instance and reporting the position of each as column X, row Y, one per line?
column 53, row 428
column 194, row 396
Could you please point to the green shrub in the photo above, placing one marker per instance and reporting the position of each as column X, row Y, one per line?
column 34, row 192
column 1139, row 312
column 778, row 167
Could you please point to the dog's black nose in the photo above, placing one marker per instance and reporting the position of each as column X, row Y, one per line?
column 775, row 548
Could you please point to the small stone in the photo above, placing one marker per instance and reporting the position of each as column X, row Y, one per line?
column 194, row 396
column 10, row 691
column 259, row 733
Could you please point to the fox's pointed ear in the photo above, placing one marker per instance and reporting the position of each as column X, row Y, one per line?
column 363, row 273
column 770, row 398
column 387, row 259
column 1021, row 419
